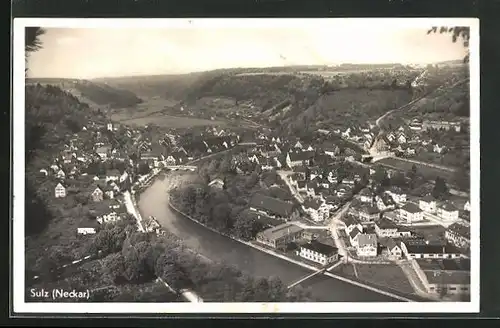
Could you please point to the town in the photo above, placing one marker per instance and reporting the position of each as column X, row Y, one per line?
column 314, row 202
column 338, row 183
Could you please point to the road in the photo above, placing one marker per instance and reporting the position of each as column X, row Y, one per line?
column 335, row 224
column 284, row 176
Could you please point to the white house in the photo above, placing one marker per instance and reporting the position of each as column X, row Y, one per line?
column 402, row 139
column 85, row 231
column 458, row 234
column 428, row 204
column 366, row 245
column 438, row 149
column 216, row 183
column 170, row 160
column 112, row 175
column 318, row 252
column 318, row 211
column 353, row 236
column 397, row 195
column 108, row 218
column 350, row 227
column 411, row 213
column 393, row 248
column 427, row 251
column 447, row 212
column 386, row 228
column 60, row 191
column 60, row 174
column 123, row 177
column 467, row 206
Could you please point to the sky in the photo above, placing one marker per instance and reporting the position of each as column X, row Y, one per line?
column 111, row 52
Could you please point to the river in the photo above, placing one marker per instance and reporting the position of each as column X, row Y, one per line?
column 154, row 201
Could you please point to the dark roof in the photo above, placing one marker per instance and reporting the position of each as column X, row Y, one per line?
column 314, row 204
column 280, row 231
column 411, row 208
column 428, row 199
column 460, row 230
column 365, row 192
column 367, row 239
column 301, row 156
column 384, row 223
column 321, row 248
column 270, row 204
column 390, row 243
column 448, row 207
column 113, row 172
column 348, row 220
column 354, row 232
column 370, row 210
column 448, row 277
column 430, row 249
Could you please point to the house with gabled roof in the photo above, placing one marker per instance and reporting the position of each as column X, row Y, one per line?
column 294, row 159
column 97, row 194
column 60, row 191
column 447, row 212
column 112, row 175
column 367, row 245
column 317, row 210
column 397, row 194
column 391, row 248
column 353, row 236
column 318, row 252
column 428, row 204
column 366, row 195
column 104, row 152
column 384, row 202
column 61, row 174
column 272, row 207
column 458, row 234
column 216, row 183
column 410, row 213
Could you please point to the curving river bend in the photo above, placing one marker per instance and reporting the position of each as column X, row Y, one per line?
column 154, row 201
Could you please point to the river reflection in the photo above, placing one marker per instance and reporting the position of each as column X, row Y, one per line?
column 154, row 201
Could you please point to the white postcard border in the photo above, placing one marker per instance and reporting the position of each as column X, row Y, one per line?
column 20, row 306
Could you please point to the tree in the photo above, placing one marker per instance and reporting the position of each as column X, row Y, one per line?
column 32, row 42
column 277, row 291
column 440, row 190
column 114, row 267
column 457, row 33
column 52, row 263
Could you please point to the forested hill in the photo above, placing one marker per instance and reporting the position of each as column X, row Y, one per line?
column 97, row 94
column 51, row 116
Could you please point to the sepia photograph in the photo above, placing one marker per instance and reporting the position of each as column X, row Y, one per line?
column 246, row 165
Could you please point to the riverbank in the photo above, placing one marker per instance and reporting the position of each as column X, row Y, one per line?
column 132, row 208
column 296, row 262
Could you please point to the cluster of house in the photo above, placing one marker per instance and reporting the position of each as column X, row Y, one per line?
column 281, row 236
column 97, row 144
column 404, row 141
column 395, row 242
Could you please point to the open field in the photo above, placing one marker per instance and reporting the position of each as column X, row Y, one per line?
column 150, row 106
column 428, row 172
column 386, row 276
column 168, row 121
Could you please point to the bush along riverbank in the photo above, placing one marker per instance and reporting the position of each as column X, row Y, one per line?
column 218, row 282
column 177, row 204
